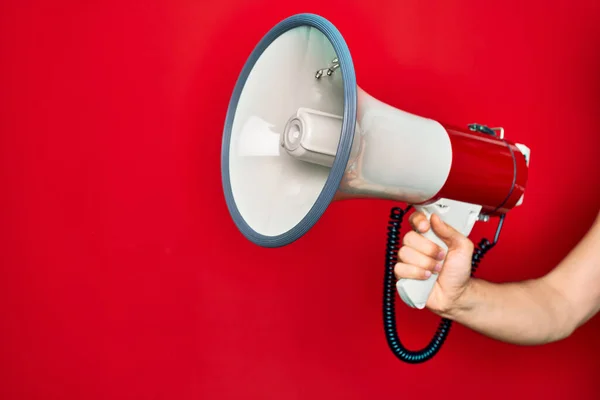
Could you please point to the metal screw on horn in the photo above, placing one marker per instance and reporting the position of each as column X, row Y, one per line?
column 330, row 70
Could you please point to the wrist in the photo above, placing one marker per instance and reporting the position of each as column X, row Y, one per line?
column 462, row 303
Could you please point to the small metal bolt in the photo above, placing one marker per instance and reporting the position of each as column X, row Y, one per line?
column 329, row 70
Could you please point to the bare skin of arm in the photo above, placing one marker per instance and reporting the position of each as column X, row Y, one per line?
column 531, row 312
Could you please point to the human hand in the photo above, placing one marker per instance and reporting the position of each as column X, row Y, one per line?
column 419, row 257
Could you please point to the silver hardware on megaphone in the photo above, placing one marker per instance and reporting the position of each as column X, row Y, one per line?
column 489, row 131
column 484, row 217
column 501, row 130
column 329, row 71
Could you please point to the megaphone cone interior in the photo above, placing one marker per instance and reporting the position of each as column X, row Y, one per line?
column 273, row 197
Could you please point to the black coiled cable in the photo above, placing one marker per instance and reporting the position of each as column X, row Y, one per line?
column 389, row 293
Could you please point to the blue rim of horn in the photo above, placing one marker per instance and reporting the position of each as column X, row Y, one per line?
column 336, row 173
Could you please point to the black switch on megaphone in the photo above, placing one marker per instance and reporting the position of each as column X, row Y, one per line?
column 300, row 134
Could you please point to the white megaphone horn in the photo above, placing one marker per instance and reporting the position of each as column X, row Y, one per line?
column 300, row 133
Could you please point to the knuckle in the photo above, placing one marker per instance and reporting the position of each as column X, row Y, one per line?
column 409, row 237
column 428, row 263
column 465, row 243
column 407, row 271
column 421, row 273
column 416, row 218
column 417, row 273
column 433, row 249
column 403, row 253
column 469, row 245
column 400, row 271
column 432, row 263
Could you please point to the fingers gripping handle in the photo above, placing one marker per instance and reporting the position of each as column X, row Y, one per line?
column 461, row 216
column 415, row 292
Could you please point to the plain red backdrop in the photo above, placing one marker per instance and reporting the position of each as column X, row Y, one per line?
column 122, row 275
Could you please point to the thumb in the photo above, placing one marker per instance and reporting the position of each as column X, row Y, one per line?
column 453, row 238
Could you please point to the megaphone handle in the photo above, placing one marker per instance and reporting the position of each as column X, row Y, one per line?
column 461, row 216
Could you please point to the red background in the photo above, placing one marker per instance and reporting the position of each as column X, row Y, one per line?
column 122, row 275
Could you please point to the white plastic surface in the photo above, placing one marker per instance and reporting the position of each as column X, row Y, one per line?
column 462, row 217
column 312, row 136
column 272, row 190
column 399, row 156
column 527, row 153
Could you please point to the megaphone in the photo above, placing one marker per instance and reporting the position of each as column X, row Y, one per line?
column 300, row 134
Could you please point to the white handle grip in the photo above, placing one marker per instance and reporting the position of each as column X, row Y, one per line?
column 462, row 217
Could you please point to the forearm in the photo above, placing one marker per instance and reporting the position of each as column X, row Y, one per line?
column 527, row 313
column 536, row 311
